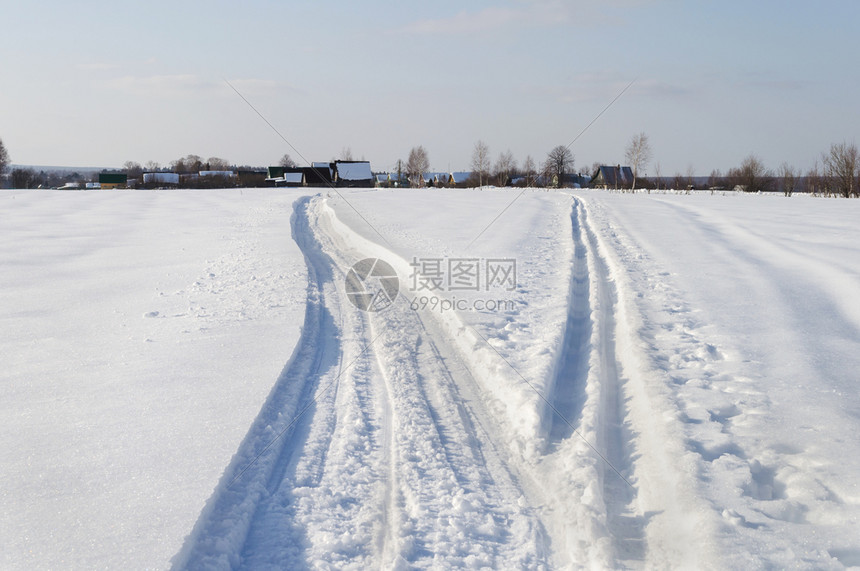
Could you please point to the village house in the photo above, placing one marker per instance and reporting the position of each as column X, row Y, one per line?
column 609, row 177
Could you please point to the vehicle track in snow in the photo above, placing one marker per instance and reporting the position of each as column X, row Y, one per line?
column 625, row 525
column 386, row 466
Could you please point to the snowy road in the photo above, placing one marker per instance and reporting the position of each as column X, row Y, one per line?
column 625, row 431
column 668, row 382
column 387, row 443
column 388, row 464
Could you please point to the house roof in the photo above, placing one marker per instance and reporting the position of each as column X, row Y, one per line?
column 460, row 177
column 113, row 178
column 613, row 176
column 353, row 170
column 217, row 173
column 323, row 168
column 164, row 177
column 293, row 177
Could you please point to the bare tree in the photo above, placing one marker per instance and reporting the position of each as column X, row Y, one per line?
column 813, row 180
column 841, row 169
column 287, row 161
column 152, row 166
column 26, row 178
column 187, row 164
column 716, row 181
column 658, row 176
column 346, row 154
column 4, row 157
column 416, row 165
column 789, row 177
column 217, row 164
column 132, row 169
column 752, row 175
column 559, row 162
column 638, row 155
column 505, row 165
column 530, row 171
column 481, row 161
column 398, row 168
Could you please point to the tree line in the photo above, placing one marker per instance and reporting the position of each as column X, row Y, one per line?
column 835, row 173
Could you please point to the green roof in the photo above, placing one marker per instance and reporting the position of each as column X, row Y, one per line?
column 113, row 178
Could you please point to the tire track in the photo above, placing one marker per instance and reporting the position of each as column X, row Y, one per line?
column 626, row 526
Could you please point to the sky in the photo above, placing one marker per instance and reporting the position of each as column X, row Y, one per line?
column 97, row 83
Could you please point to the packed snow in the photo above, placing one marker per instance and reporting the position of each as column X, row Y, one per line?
column 564, row 380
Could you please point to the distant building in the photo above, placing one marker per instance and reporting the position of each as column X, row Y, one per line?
column 353, row 174
column 251, row 178
column 608, row 177
column 299, row 176
column 225, row 174
column 160, row 179
column 111, row 180
column 459, row 179
column 383, row 180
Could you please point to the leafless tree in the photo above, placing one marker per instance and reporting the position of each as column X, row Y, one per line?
column 813, row 180
column 217, row 164
column 416, row 165
column 4, row 157
column 287, row 161
column 505, row 166
column 789, row 177
column 559, row 162
column 132, row 169
column 346, row 154
column 152, row 166
column 481, row 162
column 26, row 178
column 638, row 155
column 752, row 175
column 530, row 171
column 187, row 164
column 658, row 176
column 716, row 180
column 841, row 169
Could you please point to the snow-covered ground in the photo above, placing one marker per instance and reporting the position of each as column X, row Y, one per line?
column 141, row 331
column 666, row 383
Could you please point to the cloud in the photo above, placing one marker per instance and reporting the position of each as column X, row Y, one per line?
column 522, row 13
column 254, row 86
column 488, row 19
column 164, row 85
column 97, row 66
column 604, row 86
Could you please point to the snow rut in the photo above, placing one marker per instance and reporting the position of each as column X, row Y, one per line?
column 387, row 466
column 384, row 443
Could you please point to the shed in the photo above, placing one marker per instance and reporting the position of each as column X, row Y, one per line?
column 109, row 180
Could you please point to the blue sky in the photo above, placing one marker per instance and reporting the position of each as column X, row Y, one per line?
column 96, row 83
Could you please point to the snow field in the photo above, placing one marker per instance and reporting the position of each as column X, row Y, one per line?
column 740, row 304
column 672, row 386
column 141, row 331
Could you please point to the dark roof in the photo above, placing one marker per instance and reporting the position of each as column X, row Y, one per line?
column 610, row 176
column 113, row 178
column 316, row 175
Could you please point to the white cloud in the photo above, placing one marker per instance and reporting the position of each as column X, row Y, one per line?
column 523, row 13
column 97, row 66
column 465, row 22
column 164, row 85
